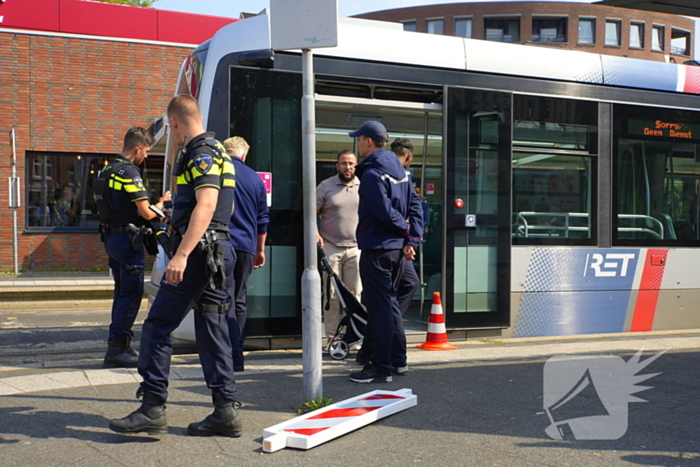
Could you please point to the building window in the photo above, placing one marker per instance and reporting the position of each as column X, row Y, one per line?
column 409, row 26
column 502, row 29
column 42, row 168
column 680, row 42
column 59, row 192
column 612, row 32
column 435, row 26
column 586, row 31
column 657, row 38
column 463, row 27
column 59, row 189
column 657, row 176
column 549, row 30
column 636, row 35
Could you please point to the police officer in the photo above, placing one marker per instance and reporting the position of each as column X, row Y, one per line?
column 408, row 280
column 122, row 201
column 195, row 279
column 385, row 236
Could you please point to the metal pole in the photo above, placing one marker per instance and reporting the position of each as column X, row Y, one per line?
column 423, row 196
column 13, row 186
column 310, row 279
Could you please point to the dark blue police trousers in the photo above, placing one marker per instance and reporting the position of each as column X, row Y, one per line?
column 127, row 265
column 380, row 271
column 237, row 286
column 211, row 329
column 408, row 283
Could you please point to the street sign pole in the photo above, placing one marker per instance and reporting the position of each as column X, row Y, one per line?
column 14, row 201
column 310, row 280
column 307, row 24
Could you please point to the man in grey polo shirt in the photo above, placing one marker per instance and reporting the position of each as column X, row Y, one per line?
column 337, row 201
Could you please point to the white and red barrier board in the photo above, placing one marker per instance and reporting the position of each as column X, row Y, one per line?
column 317, row 427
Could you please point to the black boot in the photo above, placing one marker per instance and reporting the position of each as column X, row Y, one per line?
column 150, row 417
column 120, row 354
column 130, row 350
column 225, row 420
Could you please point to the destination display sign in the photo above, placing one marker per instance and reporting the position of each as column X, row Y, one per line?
column 664, row 128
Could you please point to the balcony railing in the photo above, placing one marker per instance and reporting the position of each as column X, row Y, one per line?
column 679, row 50
column 503, row 38
column 548, row 38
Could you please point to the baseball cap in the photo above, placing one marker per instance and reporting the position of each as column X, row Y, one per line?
column 371, row 129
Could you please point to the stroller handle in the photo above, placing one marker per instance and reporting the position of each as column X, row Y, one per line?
column 323, row 259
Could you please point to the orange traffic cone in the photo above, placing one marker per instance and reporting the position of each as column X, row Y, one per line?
column 437, row 334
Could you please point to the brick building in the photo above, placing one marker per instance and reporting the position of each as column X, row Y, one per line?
column 581, row 26
column 74, row 79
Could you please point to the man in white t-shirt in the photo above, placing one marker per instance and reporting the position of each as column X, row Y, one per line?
column 337, row 201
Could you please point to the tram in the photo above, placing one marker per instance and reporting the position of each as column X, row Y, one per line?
column 562, row 187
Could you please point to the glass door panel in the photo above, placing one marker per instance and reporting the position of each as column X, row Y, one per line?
column 477, row 207
column 269, row 118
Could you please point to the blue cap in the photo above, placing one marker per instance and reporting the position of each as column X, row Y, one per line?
column 371, row 129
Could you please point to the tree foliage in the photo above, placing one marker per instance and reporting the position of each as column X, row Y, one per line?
column 143, row 3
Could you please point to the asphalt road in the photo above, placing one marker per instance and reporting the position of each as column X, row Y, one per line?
column 480, row 405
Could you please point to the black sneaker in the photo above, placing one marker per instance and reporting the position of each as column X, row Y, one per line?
column 369, row 374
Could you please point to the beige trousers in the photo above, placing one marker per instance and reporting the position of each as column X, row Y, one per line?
column 345, row 262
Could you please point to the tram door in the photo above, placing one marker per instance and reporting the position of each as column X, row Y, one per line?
column 477, row 181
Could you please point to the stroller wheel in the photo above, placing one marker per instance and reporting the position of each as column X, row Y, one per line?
column 338, row 349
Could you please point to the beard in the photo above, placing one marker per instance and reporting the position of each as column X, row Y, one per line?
column 346, row 179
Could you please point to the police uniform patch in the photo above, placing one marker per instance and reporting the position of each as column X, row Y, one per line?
column 138, row 183
column 203, row 163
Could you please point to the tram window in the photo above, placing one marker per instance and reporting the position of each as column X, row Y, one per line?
column 657, row 177
column 553, row 199
column 658, row 185
column 553, row 123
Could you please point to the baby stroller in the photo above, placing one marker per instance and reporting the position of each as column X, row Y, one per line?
column 352, row 327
